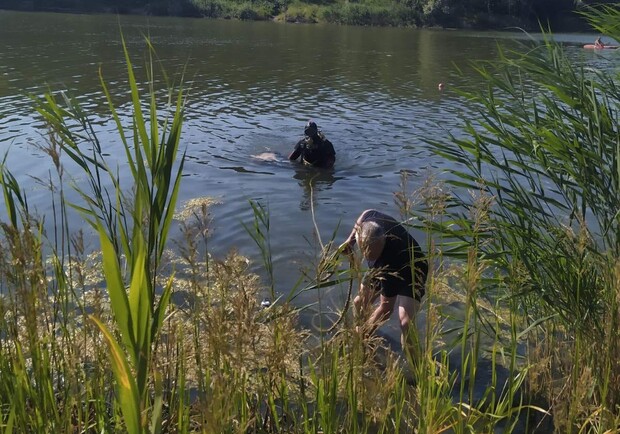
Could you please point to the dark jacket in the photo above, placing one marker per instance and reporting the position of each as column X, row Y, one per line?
column 393, row 274
column 315, row 151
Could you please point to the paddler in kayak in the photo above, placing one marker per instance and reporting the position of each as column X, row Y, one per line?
column 314, row 149
column 599, row 43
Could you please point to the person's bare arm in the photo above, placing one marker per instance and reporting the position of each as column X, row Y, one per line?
column 347, row 245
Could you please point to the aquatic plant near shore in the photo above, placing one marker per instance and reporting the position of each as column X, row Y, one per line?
column 544, row 146
column 133, row 236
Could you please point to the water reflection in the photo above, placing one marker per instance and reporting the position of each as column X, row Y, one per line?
column 312, row 181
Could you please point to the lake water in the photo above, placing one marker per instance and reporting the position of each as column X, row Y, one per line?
column 252, row 87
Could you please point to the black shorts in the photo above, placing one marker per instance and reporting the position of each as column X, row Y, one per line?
column 393, row 284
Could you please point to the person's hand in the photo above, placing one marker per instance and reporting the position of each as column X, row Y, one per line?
column 346, row 248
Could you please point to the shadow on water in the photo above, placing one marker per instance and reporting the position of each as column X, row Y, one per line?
column 313, row 180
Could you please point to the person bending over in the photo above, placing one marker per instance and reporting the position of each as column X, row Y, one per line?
column 314, row 149
column 397, row 270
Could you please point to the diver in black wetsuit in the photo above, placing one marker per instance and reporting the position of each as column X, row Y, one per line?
column 314, row 149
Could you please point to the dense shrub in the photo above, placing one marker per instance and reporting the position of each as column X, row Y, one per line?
column 368, row 14
column 300, row 13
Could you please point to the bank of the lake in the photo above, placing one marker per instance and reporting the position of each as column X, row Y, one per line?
column 559, row 15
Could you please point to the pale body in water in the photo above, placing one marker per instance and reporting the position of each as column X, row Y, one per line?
column 267, row 156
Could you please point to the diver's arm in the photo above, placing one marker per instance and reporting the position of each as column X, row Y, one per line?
column 330, row 154
column 296, row 152
column 329, row 161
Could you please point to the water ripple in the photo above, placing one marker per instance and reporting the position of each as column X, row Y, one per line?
column 251, row 87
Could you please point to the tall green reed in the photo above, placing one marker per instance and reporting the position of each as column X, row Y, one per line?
column 458, row 361
column 544, row 147
column 135, row 234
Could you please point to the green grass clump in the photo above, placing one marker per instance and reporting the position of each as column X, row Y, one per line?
column 300, row 13
column 242, row 10
column 369, row 14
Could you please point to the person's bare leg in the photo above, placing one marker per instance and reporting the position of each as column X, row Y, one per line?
column 408, row 307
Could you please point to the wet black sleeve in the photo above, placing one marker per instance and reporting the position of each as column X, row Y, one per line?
column 297, row 151
column 329, row 148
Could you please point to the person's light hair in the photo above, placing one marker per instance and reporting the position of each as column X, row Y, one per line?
column 370, row 237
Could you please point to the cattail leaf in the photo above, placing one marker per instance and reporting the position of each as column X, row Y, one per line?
column 140, row 135
column 129, row 398
column 139, row 298
column 116, row 291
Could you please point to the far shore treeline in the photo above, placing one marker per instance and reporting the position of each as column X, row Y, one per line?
column 559, row 15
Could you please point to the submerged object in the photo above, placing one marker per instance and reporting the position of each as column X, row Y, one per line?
column 266, row 156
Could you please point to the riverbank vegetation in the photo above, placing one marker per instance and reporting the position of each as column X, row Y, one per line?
column 561, row 15
column 147, row 333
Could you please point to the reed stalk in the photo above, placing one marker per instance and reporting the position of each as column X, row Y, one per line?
column 544, row 147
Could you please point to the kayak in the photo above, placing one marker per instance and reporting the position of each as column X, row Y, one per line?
column 605, row 47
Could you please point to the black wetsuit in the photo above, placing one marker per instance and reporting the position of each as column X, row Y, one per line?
column 315, row 152
column 391, row 273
